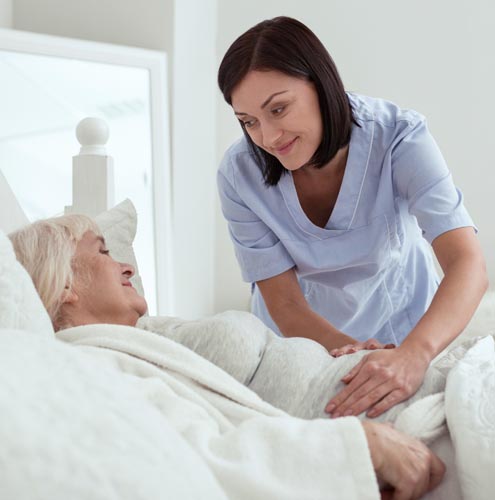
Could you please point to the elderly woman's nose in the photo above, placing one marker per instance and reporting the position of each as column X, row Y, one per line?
column 127, row 269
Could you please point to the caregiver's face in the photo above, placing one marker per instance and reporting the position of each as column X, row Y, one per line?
column 281, row 114
column 102, row 285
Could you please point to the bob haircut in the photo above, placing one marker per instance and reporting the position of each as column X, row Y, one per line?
column 286, row 45
column 46, row 249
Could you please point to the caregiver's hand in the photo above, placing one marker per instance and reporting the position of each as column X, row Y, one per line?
column 370, row 344
column 379, row 381
column 402, row 462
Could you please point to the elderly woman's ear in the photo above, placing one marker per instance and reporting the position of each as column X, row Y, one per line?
column 69, row 296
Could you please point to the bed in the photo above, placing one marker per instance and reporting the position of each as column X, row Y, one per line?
column 79, row 421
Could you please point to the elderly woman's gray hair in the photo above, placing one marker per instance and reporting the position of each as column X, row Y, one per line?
column 46, row 249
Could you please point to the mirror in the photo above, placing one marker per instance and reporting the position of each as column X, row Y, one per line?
column 48, row 85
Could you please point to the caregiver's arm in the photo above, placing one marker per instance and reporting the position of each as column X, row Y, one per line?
column 383, row 379
column 293, row 315
column 459, row 294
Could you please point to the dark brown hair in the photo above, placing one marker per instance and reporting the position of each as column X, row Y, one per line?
column 286, row 45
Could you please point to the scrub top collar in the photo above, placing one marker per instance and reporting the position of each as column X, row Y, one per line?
column 343, row 214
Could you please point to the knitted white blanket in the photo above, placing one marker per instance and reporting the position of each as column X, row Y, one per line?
column 298, row 376
column 122, row 413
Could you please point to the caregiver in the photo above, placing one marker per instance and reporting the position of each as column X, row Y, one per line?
column 332, row 201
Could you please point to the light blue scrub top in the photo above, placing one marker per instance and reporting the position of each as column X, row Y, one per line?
column 370, row 270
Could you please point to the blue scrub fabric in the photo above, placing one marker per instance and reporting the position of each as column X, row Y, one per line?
column 370, row 270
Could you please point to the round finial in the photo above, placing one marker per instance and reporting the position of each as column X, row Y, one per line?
column 92, row 133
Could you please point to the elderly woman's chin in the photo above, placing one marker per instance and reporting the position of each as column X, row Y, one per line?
column 137, row 305
column 142, row 307
column 123, row 308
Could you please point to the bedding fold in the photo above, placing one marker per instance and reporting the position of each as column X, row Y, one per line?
column 298, row 376
column 253, row 449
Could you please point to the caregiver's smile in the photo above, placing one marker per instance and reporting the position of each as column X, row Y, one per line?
column 286, row 148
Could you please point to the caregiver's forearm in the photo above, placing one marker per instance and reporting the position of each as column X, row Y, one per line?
column 452, row 307
column 293, row 315
column 299, row 320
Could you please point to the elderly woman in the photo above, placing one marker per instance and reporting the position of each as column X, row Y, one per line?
column 81, row 284
column 77, row 280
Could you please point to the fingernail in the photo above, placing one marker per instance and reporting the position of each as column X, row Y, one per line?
column 330, row 408
column 336, row 415
column 352, row 350
column 371, row 413
column 347, row 413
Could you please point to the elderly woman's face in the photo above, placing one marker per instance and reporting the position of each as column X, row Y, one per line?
column 101, row 285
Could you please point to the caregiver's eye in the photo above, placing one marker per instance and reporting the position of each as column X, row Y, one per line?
column 278, row 110
column 248, row 123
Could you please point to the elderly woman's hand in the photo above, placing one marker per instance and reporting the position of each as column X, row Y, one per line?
column 379, row 381
column 401, row 462
column 370, row 344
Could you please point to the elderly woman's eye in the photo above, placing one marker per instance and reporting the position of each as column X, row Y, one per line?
column 105, row 252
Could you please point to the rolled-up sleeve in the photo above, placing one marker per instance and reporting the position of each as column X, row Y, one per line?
column 260, row 253
column 422, row 177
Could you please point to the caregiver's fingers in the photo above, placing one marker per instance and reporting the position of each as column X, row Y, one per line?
column 370, row 345
column 359, row 379
column 382, row 380
column 347, row 379
column 394, row 397
column 371, row 366
column 365, row 397
column 346, row 349
column 396, row 368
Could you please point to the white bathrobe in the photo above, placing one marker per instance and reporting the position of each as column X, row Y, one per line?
column 124, row 413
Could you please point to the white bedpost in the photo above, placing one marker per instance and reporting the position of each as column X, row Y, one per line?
column 92, row 170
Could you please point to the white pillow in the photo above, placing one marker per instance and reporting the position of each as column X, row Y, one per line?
column 20, row 305
column 118, row 226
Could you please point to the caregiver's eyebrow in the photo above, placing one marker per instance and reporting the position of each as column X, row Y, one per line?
column 265, row 103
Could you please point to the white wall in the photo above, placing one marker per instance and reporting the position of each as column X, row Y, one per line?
column 435, row 57
column 146, row 24
column 6, row 14
column 123, row 22
column 194, row 155
column 186, row 30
